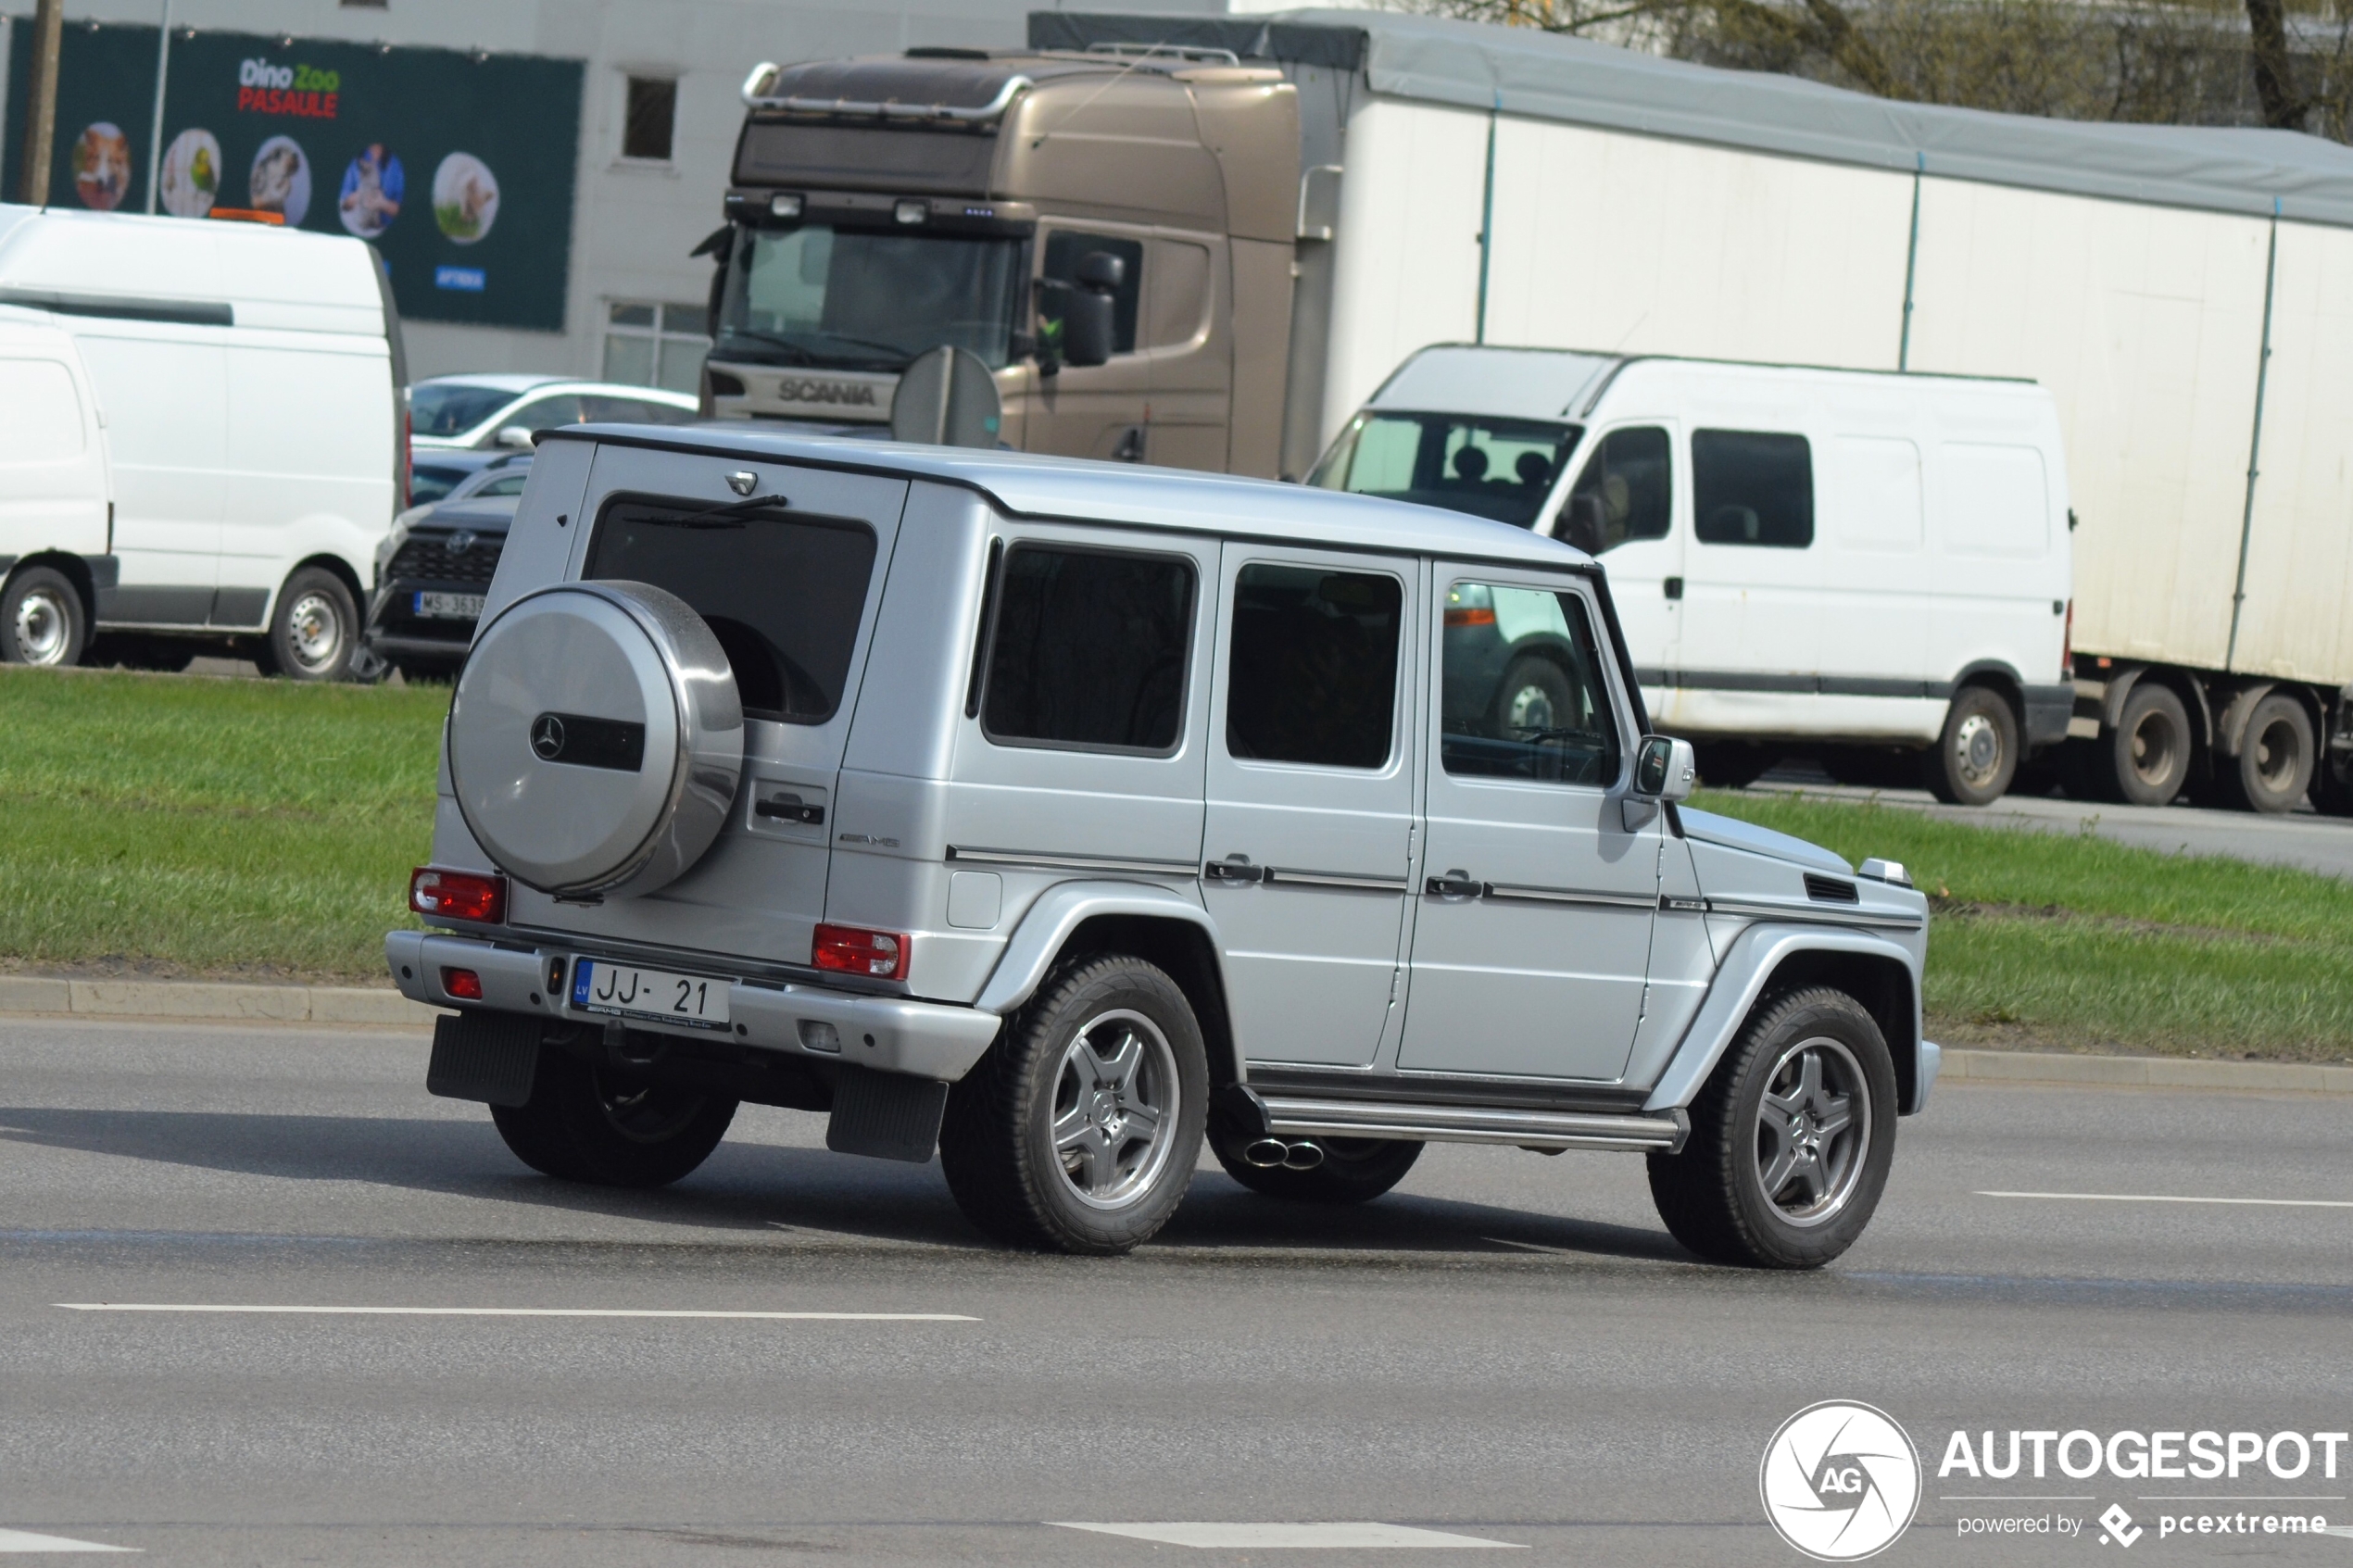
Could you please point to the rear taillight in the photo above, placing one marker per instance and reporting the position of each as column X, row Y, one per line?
column 847, row 949
column 462, row 983
column 458, row 895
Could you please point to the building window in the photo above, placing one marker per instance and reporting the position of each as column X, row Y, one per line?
column 656, row 344
column 646, row 123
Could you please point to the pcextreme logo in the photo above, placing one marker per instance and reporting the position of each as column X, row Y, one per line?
column 1840, row 1481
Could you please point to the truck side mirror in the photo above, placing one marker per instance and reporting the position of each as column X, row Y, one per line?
column 1087, row 326
column 1101, row 269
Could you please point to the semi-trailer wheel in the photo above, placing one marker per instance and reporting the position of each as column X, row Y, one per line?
column 41, row 619
column 2274, row 765
column 1975, row 758
column 2147, row 755
column 1791, row 1140
column 1079, row 1129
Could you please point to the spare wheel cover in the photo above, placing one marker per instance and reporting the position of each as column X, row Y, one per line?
column 596, row 738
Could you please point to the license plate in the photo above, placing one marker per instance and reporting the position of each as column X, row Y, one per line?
column 626, row 991
column 446, row 606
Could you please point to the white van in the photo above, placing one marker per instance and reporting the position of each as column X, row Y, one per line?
column 204, row 440
column 1839, row 561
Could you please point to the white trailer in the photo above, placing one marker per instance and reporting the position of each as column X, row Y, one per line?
column 2169, row 285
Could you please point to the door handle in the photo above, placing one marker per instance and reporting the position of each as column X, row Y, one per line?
column 1234, row 868
column 1457, row 883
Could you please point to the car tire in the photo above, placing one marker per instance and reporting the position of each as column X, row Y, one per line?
column 314, row 630
column 1732, row 764
column 2274, row 765
column 1353, row 1171
column 587, row 1121
column 1975, row 758
column 1744, row 1189
column 1080, row 1130
column 1533, row 694
column 2147, row 755
column 42, row 620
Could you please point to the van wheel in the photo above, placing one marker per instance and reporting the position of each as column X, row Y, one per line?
column 315, row 628
column 1977, row 756
column 2150, row 751
column 1791, row 1140
column 1080, row 1130
column 2274, row 765
column 586, row 1123
column 41, row 619
column 1352, row 1170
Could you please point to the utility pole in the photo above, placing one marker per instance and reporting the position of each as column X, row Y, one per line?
column 41, row 103
column 155, row 132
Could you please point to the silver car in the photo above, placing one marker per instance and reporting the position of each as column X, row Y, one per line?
column 1059, row 816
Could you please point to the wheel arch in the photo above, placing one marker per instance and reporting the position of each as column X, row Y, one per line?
column 1087, row 919
column 1768, row 960
column 74, row 569
column 327, row 560
column 2000, row 678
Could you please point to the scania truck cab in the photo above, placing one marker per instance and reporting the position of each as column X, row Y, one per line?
column 1110, row 233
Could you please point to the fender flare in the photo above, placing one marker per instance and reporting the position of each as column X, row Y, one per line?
column 1060, row 911
column 1757, row 953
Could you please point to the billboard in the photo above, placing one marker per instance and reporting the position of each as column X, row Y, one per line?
column 457, row 166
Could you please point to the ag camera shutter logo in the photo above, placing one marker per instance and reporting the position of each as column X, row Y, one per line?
column 1840, row 1481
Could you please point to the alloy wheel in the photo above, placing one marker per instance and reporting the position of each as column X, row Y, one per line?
column 1116, row 1108
column 1813, row 1130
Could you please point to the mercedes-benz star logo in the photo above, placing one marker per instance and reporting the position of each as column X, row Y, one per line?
column 548, row 737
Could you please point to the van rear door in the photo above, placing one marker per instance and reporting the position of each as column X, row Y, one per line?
column 53, row 472
column 789, row 589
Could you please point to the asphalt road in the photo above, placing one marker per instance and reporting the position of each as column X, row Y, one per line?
column 2302, row 838
column 1507, row 1350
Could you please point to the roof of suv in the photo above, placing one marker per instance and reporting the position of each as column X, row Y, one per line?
column 1077, row 490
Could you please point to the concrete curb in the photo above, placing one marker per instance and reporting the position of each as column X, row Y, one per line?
column 211, row 1001
column 2143, row 1072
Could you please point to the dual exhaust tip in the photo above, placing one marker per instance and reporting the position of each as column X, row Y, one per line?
column 1267, row 1153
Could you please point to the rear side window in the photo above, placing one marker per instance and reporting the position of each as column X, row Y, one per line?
column 1312, row 670
column 784, row 593
column 1089, row 649
column 1749, row 487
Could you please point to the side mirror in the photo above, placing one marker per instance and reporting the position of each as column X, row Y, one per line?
column 516, row 436
column 1101, row 269
column 1086, row 325
column 1665, row 769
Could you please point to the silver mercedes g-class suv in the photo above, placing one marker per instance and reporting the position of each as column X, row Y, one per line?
column 1059, row 816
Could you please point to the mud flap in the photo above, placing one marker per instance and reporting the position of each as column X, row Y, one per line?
column 490, row 1057
column 885, row 1115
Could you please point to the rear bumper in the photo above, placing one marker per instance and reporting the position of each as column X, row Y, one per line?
column 887, row 1034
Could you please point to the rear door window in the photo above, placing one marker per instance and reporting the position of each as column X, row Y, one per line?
column 1089, row 649
column 783, row 592
column 1313, row 666
column 1752, row 487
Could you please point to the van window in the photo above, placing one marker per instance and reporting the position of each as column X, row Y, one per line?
column 1524, row 696
column 1065, row 249
column 1996, row 500
column 1749, row 487
column 1089, row 649
column 1627, row 492
column 1312, row 667
column 784, row 593
column 1499, row 468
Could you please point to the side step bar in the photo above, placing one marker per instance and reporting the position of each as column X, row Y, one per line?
column 1289, row 1117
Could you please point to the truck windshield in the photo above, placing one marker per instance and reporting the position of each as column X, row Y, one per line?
column 863, row 299
column 1499, row 469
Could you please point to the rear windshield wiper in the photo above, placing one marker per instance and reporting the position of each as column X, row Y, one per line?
column 728, row 514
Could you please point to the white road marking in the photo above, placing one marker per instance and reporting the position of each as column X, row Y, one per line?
column 1264, row 1537
column 25, row 1540
column 515, row 1312
column 2159, row 1198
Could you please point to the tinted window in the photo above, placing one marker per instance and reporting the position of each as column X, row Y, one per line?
column 1499, row 468
column 1750, row 488
column 1089, row 649
column 1524, row 696
column 783, row 593
column 1313, row 671
column 1625, row 493
column 1063, row 252
column 453, row 407
column 430, row 482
